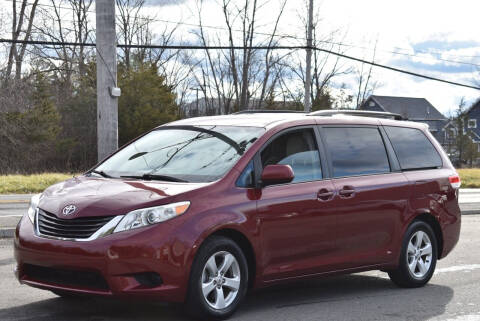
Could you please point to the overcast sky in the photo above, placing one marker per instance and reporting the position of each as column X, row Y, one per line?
column 430, row 35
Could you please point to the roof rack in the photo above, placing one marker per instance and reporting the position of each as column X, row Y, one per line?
column 268, row 111
column 362, row 113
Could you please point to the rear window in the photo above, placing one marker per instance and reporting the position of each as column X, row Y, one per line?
column 356, row 151
column 413, row 149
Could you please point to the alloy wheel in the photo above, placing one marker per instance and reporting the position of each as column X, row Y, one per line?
column 419, row 254
column 221, row 280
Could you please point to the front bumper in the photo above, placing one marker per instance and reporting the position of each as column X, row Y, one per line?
column 114, row 265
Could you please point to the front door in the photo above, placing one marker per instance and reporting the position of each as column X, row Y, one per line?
column 297, row 221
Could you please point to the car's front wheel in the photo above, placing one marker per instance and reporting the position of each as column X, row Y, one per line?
column 218, row 280
column 418, row 257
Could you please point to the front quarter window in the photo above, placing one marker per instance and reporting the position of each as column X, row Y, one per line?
column 183, row 153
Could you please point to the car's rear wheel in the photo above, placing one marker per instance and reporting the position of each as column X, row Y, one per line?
column 418, row 257
column 218, row 280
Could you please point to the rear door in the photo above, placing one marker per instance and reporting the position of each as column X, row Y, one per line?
column 296, row 220
column 372, row 194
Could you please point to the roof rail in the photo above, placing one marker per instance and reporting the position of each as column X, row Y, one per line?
column 354, row 112
column 268, row 111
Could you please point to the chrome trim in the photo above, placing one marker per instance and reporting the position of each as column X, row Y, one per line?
column 107, row 229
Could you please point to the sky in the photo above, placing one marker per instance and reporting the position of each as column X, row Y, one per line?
column 438, row 38
column 431, row 35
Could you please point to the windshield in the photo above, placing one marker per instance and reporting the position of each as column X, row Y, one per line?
column 182, row 153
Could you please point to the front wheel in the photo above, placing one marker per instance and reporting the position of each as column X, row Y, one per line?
column 418, row 257
column 218, row 280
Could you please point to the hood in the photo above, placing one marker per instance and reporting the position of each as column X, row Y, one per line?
column 94, row 196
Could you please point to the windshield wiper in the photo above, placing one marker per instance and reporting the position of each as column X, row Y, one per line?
column 218, row 135
column 156, row 177
column 101, row 173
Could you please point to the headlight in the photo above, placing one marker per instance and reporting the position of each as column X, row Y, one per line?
column 32, row 209
column 151, row 215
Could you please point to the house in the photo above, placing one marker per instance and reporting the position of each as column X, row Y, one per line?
column 472, row 123
column 414, row 109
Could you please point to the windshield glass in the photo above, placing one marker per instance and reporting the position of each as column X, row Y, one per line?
column 182, row 153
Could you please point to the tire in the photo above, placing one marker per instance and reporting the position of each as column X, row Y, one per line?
column 417, row 259
column 209, row 261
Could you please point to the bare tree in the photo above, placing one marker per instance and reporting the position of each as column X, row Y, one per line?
column 240, row 78
column 20, row 31
column 131, row 25
column 64, row 60
column 365, row 85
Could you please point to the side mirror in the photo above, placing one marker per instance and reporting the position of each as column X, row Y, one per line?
column 277, row 174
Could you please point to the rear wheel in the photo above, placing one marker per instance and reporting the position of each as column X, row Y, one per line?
column 418, row 257
column 218, row 280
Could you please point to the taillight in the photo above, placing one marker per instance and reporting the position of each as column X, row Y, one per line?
column 455, row 181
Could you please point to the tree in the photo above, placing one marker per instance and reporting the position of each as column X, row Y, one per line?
column 32, row 131
column 19, row 32
column 146, row 101
column 365, row 83
column 240, row 78
column 65, row 62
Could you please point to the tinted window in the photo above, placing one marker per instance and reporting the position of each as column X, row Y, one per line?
column 297, row 149
column 187, row 153
column 413, row 148
column 356, row 151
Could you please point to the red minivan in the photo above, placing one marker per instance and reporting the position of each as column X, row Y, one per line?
column 201, row 210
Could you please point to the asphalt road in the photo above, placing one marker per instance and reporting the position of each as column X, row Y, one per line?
column 452, row 294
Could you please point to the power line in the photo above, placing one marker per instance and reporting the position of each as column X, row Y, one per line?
column 198, row 47
column 284, row 36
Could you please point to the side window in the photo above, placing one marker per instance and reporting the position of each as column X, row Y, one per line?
column 297, row 149
column 413, row 149
column 247, row 178
column 356, row 151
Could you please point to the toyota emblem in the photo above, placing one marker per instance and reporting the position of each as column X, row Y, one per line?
column 69, row 209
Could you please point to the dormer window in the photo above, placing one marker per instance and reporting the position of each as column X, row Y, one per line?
column 371, row 103
column 472, row 123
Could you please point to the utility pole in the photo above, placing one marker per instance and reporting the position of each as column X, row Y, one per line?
column 308, row 72
column 107, row 91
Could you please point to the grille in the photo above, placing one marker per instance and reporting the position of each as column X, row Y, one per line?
column 77, row 228
column 70, row 278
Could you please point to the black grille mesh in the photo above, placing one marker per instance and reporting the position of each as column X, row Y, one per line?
column 83, row 279
column 77, row 228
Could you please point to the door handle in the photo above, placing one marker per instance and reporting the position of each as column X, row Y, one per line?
column 347, row 192
column 324, row 195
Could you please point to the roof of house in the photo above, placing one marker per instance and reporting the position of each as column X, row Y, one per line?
column 474, row 105
column 412, row 108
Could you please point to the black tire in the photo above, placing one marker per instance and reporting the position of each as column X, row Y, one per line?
column 403, row 276
column 197, row 305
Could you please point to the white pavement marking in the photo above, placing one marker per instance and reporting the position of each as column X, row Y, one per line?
column 456, row 268
column 11, row 215
column 469, row 317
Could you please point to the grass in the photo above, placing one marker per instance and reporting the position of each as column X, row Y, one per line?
column 24, row 184
column 470, row 177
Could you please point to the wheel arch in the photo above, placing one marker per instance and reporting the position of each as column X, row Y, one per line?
column 246, row 246
column 433, row 222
